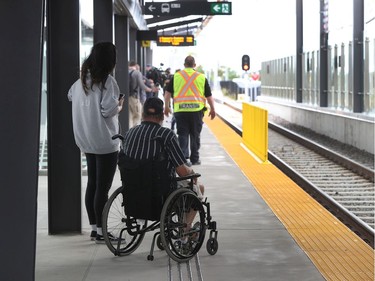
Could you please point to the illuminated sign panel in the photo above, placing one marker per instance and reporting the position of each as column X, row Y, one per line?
column 186, row 8
column 221, row 8
column 146, row 43
column 183, row 40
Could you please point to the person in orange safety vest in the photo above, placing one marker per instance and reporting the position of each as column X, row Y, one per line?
column 190, row 92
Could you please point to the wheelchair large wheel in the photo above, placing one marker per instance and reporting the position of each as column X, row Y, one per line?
column 119, row 240
column 182, row 225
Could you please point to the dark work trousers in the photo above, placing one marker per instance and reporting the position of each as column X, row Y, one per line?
column 189, row 127
column 101, row 169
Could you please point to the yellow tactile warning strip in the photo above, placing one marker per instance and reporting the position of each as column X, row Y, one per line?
column 337, row 252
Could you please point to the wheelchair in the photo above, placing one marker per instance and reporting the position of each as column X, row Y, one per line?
column 180, row 226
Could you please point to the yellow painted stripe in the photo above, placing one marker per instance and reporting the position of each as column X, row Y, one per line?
column 337, row 252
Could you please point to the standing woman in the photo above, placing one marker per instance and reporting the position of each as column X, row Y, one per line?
column 96, row 103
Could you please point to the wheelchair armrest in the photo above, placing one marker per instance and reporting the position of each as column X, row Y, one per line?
column 118, row 136
column 192, row 176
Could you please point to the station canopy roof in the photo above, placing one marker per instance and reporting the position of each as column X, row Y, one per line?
column 181, row 25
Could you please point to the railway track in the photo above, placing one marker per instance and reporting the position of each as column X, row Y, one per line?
column 344, row 187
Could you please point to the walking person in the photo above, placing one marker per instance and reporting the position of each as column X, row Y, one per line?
column 166, row 77
column 96, row 103
column 154, row 74
column 190, row 91
column 136, row 86
column 143, row 95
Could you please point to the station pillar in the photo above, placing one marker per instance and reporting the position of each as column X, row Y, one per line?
column 103, row 21
column 323, row 53
column 299, row 49
column 122, row 67
column 64, row 157
column 358, row 45
column 21, row 27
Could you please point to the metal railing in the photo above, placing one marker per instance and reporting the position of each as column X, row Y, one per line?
column 279, row 77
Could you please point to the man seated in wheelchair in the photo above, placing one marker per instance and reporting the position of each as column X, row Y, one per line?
column 148, row 162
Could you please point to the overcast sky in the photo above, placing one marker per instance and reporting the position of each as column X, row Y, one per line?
column 266, row 29
column 262, row 29
column 253, row 29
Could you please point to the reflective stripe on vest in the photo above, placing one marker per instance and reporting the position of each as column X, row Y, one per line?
column 188, row 97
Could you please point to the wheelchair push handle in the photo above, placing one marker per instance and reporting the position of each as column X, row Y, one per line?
column 192, row 176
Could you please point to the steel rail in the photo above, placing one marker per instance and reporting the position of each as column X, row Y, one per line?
column 327, row 153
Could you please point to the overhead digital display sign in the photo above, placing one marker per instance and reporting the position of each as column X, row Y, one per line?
column 180, row 40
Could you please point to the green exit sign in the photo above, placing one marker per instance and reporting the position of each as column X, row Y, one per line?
column 221, row 8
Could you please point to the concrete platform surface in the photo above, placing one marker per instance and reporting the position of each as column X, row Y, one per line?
column 253, row 244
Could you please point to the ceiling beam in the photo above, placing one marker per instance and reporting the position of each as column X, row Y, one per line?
column 177, row 31
column 159, row 19
column 179, row 23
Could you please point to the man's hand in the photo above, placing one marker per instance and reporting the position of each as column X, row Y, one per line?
column 211, row 102
column 167, row 110
column 167, row 99
column 120, row 104
column 212, row 113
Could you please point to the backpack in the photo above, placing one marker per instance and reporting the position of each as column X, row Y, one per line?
column 132, row 88
column 159, row 76
column 156, row 75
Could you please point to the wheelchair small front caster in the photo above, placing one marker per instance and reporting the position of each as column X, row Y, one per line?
column 212, row 246
column 150, row 258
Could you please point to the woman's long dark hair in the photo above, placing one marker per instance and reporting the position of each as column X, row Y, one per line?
column 100, row 63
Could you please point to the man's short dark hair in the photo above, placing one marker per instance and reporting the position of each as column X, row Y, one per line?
column 189, row 61
column 153, row 107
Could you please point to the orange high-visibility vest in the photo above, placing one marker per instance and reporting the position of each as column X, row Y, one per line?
column 188, row 88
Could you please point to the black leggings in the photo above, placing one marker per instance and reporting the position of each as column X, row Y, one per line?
column 101, row 169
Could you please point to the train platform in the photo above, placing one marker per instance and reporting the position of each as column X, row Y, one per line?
column 268, row 229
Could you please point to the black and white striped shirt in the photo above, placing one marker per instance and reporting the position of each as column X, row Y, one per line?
column 147, row 140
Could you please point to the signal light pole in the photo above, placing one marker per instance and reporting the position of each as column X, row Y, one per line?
column 246, row 67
